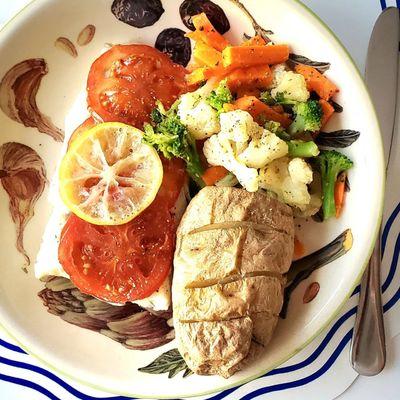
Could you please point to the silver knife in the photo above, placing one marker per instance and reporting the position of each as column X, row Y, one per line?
column 368, row 350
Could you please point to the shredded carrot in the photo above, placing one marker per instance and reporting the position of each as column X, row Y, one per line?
column 299, row 249
column 255, row 41
column 327, row 110
column 249, row 56
column 214, row 174
column 317, row 82
column 206, row 55
column 261, row 112
column 259, row 77
column 206, row 33
column 340, row 190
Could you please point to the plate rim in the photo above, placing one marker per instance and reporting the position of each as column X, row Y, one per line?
column 313, row 17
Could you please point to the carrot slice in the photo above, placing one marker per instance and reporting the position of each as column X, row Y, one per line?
column 196, row 76
column 259, row 77
column 317, row 82
column 255, row 41
column 207, row 33
column 340, row 189
column 327, row 111
column 261, row 112
column 214, row 174
column 206, row 55
column 248, row 56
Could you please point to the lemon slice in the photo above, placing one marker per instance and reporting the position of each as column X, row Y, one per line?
column 108, row 176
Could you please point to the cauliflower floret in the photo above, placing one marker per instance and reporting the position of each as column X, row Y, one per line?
column 198, row 116
column 219, row 151
column 300, row 171
column 262, row 150
column 238, row 126
column 292, row 85
column 278, row 71
column 288, row 179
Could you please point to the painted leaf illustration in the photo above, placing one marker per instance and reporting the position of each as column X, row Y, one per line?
column 303, row 268
column 171, row 362
column 295, row 59
column 342, row 138
column 18, row 90
column 23, row 177
column 130, row 325
column 258, row 29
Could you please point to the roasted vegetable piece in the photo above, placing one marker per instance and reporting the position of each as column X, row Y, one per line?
column 207, row 33
column 260, row 111
column 259, row 77
column 214, row 174
column 206, row 55
column 220, row 96
column 327, row 111
column 170, row 137
column 308, row 117
column 248, row 56
column 331, row 163
column 316, row 82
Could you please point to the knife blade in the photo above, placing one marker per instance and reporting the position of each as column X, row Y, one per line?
column 368, row 349
column 381, row 72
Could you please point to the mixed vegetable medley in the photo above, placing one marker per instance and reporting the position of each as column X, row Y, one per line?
column 252, row 119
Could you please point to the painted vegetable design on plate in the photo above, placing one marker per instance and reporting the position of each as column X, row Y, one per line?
column 130, row 325
column 173, row 42
column 23, row 177
column 214, row 12
column 138, row 13
column 18, row 90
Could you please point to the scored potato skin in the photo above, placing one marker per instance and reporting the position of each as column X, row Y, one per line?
column 233, row 248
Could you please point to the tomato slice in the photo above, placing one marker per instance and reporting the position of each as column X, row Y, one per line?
column 82, row 128
column 127, row 262
column 125, row 82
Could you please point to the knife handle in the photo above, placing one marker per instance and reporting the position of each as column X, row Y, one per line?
column 368, row 351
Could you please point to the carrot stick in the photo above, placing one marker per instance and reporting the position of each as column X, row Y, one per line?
column 340, row 189
column 214, row 174
column 259, row 77
column 327, row 110
column 228, row 107
column 206, row 55
column 317, row 82
column 248, row 56
column 207, row 33
column 261, row 112
column 255, row 41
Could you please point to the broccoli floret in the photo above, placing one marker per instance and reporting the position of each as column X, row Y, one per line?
column 220, row 96
column 276, row 128
column 302, row 149
column 280, row 98
column 331, row 163
column 171, row 138
column 308, row 117
column 267, row 98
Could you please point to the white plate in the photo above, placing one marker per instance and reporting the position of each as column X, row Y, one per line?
column 90, row 357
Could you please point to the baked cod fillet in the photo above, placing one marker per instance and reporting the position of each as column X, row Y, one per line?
column 232, row 250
